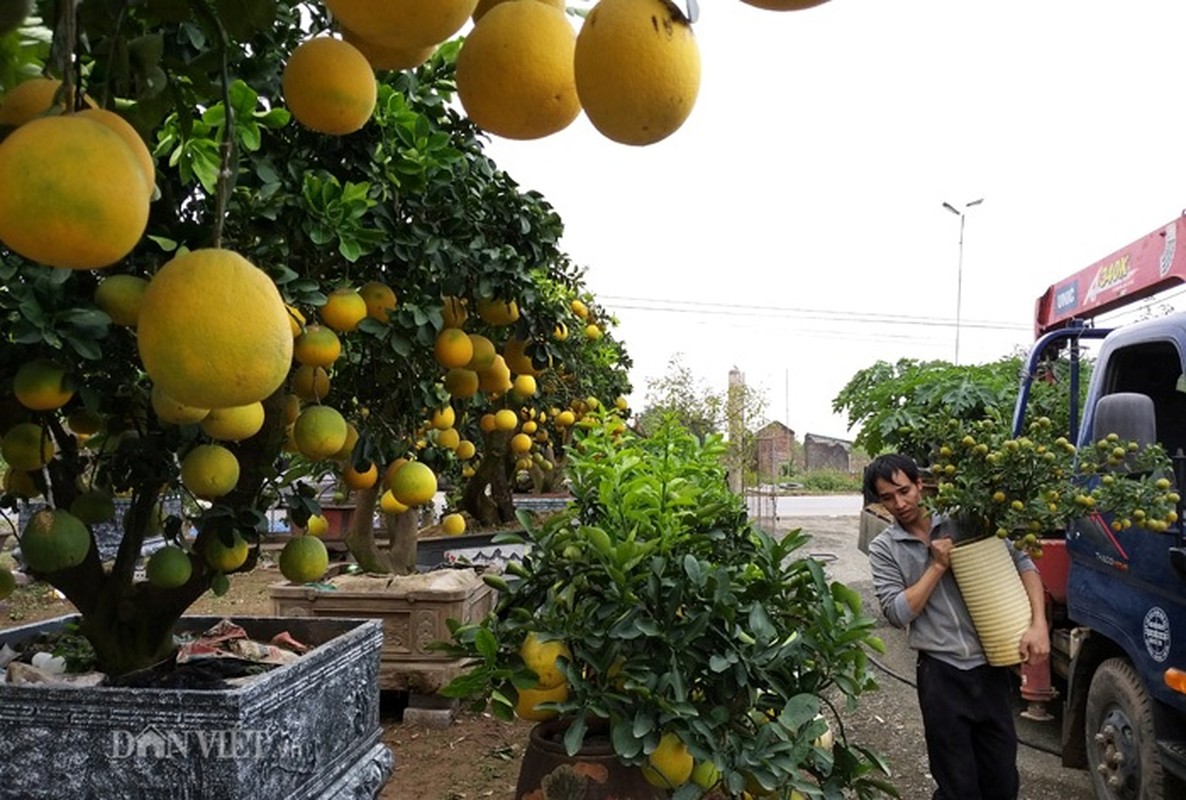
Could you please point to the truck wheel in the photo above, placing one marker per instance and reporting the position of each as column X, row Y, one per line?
column 1121, row 745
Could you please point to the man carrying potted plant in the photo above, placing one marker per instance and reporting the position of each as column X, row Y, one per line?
column 966, row 703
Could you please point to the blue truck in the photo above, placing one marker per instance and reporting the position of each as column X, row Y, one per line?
column 1117, row 599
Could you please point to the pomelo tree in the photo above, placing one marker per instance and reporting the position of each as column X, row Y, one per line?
column 163, row 373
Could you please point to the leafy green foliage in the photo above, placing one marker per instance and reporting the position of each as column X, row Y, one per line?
column 680, row 617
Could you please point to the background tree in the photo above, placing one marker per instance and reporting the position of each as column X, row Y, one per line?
column 897, row 406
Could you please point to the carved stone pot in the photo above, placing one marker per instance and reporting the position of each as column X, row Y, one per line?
column 309, row 729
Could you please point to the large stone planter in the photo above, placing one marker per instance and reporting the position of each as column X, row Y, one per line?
column 306, row 730
column 412, row 609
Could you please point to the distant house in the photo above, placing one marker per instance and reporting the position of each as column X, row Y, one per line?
column 824, row 452
column 774, row 445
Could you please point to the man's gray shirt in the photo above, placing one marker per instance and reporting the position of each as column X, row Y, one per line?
column 943, row 628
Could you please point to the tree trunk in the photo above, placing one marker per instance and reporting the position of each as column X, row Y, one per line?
column 494, row 472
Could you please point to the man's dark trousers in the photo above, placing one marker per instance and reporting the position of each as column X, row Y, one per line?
column 971, row 739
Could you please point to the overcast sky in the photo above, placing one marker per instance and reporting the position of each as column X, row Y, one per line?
column 794, row 225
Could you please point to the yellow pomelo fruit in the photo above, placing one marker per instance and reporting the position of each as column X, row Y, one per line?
column 514, row 352
column 30, row 99
column 530, row 426
column 304, row 559
column 565, row 418
column 318, row 526
column 343, row 310
column 213, row 330
column 209, row 471
column 515, row 71
column 621, row 403
column 523, row 464
column 360, row 479
column 453, row 348
column 329, row 86
column 485, row 5
column 443, row 417
column 670, row 765
column 320, row 432
column 296, row 320
column 317, row 347
column 389, row 505
column 73, row 194
column 85, row 422
column 169, row 410
column 347, row 449
column 389, row 56
column 122, row 128
column 465, row 450
column 234, row 423
column 592, row 331
column 403, row 22
column 488, row 423
column 93, row 506
column 448, row 438
column 637, row 69
column 784, row 5
column 120, row 296
column 414, row 484
column 20, row 483
column 392, row 468
column 496, row 378
column 580, row 309
column 453, row 524
column 520, row 443
column 461, row 383
column 27, row 447
column 292, row 409
column 310, row 383
column 706, row 775
column 529, row 699
column 7, row 583
column 222, row 558
column 169, row 567
column 54, row 540
column 540, row 657
column 454, row 312
column 524, row 386
column 498, row 313
column 506, row 420
column 484, row 353
column 380, row 299
column 42, row 385
column 468, row 472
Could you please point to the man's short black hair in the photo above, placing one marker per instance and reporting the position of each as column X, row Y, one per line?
column 884, row 467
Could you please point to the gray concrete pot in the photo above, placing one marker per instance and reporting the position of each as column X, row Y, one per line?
column 306, row 730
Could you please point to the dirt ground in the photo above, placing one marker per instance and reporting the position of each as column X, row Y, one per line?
column 478, row 756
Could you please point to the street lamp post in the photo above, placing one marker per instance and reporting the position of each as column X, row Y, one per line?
column 959, row 274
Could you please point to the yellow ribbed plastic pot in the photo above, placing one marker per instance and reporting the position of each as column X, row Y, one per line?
column 995, row 597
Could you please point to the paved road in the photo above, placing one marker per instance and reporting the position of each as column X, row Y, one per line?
column 888, row 721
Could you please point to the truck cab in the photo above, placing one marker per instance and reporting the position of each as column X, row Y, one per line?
column 1117, row 598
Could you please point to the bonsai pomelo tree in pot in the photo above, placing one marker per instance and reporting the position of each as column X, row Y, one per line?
column 652, row 616
column 268, row 316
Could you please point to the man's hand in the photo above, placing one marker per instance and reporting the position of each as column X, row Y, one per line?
column 1035, row 643
column 941, row 552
